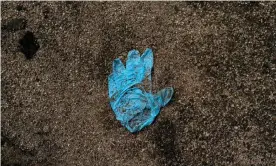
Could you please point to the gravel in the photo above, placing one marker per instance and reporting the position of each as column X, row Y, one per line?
column 219, row 56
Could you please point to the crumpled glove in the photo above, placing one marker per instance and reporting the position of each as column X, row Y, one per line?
column 134, row 106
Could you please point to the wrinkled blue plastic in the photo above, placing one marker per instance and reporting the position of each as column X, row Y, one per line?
column 134, row 106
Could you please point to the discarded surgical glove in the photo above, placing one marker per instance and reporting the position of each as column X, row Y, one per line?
column 134, row 105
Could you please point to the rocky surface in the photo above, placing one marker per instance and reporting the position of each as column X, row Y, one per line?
column 220, row 57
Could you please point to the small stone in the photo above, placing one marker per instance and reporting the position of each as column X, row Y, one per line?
column 46, row 129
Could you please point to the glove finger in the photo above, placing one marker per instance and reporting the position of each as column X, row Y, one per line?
column 112, row 88
column 118, row 66
column 133, row 59
column 147, row 58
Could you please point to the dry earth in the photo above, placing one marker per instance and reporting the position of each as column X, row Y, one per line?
column 219, row 56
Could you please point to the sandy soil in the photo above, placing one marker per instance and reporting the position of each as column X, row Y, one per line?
column 219, row 57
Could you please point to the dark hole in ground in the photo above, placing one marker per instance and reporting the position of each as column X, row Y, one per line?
column 15, row 24
column 29, row 45
column 176, row 9
column 20, row 8
column 46, row 13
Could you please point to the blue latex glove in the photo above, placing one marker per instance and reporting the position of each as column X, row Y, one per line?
column 134, row 106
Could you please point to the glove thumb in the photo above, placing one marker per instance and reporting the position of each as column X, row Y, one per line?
column 164, row 96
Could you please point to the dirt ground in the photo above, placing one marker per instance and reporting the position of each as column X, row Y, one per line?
column 220, row 57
